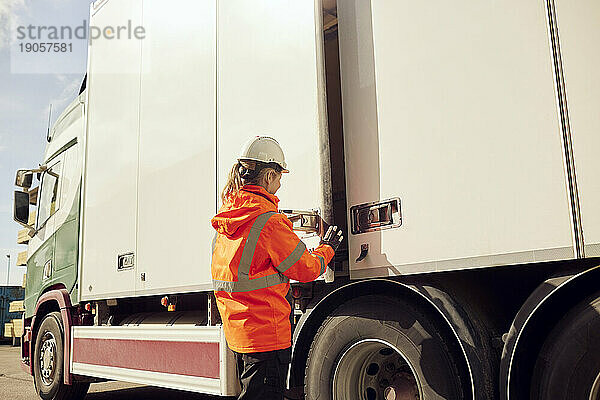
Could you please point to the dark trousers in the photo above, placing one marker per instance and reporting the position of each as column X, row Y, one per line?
column 262, row 375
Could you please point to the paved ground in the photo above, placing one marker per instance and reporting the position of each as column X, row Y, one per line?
column 15, row 384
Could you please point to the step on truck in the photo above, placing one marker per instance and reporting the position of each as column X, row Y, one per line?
column 455, row 142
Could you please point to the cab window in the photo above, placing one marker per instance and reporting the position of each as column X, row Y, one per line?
column 48, row 201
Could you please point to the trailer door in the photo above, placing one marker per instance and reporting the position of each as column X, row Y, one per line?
column 450, row 107
column 110, row 177
column 176, row 147
column 270, row 82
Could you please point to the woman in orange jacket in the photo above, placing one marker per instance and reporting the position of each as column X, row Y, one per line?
column 255, row 253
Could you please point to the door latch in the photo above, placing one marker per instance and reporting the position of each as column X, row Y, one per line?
column 304, row 221
column 125, row 261
column 376, row 216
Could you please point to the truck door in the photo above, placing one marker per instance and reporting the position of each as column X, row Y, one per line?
column 450, row 114
column 41, row 248
column 177, row 147
column 270, row 82
column 110, row 177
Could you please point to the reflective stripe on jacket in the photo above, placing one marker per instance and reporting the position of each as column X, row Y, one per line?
column 255, row 254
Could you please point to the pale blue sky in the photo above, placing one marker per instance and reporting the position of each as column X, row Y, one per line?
column 24, row 101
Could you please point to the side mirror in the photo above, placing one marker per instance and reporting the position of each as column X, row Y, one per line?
column 24, row 178
column 21, row 209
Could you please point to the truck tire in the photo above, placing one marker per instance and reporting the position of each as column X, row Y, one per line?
column 379, row 347
column 568, row 365
column 48, row 366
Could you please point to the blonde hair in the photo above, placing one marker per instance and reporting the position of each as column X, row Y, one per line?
column 235, row 179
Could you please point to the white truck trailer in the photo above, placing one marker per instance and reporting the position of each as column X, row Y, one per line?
column 455, row 142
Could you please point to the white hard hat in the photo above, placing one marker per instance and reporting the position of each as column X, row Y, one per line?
column 264, row 149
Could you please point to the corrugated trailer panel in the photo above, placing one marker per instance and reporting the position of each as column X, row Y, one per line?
column 451, row 107
column 110, row 176
column 176, row 194
column 579, row 37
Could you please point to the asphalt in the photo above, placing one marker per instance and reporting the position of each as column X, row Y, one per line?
column 16, row 384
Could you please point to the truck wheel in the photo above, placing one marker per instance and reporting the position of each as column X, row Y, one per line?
column 48, row 363
column 568, row 365
column 378, row 347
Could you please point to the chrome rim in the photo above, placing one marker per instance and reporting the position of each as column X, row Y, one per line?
column 373, row 369
column 595, row 392
column 47, row 358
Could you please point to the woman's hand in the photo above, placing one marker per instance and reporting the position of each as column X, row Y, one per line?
column 333, row 237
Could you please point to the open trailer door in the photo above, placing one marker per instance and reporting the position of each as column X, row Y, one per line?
column 270, row 82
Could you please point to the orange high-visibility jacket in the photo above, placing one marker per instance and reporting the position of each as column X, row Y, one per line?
column 255, row 252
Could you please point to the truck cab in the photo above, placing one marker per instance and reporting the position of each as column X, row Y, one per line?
column 50, row 211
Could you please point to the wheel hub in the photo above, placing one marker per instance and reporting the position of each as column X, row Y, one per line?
column 404, row 387
column 373, row 369
column 47, row 358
